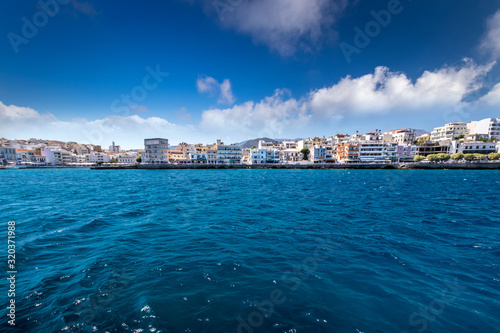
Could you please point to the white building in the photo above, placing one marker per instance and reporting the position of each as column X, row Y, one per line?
column 97, row 157
column 212, row 155
column 114, row 149
column 291, row 155
column 7, row 155
column 197, row 158
column 257, row 156
column 317, row 154
column 489, row 127
column 268, row 145
column 273, row 156
column 127, row 158
column 473, row 147
column 449, row 132
column 156, row 151
column 288, row 145
column 228, row 154
column 401, row 136
column 376, row 151
column 56, row 156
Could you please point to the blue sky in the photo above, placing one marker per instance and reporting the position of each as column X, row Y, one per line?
column 239, row 69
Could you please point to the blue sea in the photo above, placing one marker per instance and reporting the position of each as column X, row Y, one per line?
column 253, row 250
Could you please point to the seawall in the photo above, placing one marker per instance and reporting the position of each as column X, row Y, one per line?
column 359, row 166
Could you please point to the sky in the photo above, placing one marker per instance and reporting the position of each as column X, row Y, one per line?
column 200, row 70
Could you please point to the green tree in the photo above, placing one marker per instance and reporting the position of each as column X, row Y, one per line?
column 444, row 157
column 494, row 156
column 479, row 156
column 253, row 147
column 457, row 157
column 138, row 159
column 305, row 152
column 469, row 157
column 433, row 157
column 113, row 160
column 418, row 158
column 99, row 163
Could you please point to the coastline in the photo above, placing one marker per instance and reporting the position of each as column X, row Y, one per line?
column 359, row 166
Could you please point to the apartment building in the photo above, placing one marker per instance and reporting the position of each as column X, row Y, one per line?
column 489, row 127
column 473, row 147
column 317, row 154
column 290, row 155
column 156, row 151
column 7, row 155
column 400, row 136
column 377, row 151
column 449, row 132
column 228, row 154
column 97, row 157
column 348, row 153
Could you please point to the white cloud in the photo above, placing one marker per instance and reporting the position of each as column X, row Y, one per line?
column 23, row 123
column 379, row 94
column 491, row 42
column 207, row 84
column 282, row 25
column 385, row 91
column 492, row 98
column 211, row 86
column 273, row 116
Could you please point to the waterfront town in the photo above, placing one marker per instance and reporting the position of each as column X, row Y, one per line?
column 460, row 141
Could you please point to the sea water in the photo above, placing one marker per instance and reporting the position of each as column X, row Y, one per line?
column 253, row 250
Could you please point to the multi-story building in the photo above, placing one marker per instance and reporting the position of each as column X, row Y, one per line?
column 273, row 156
column 156, row 151
column 114, row 149
column 406, row 152
column 377, row 151
column 400, row 136
column 288, row 145
column 40, row 160
column 25, row 156
column 473, row 147
column 449, row 132
column 317, row 154
column 212, row 154
column 78, row 159
column 305, row 144
column 197, row 158
column 291, row 155
column 176, row 156
column 428, row 148
column 97, row 157
column 127, row 158
column 348, row 153
column 268, row 145
column 228, row 154
column 7, row 155
column 257, row 156
column 489, row 127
